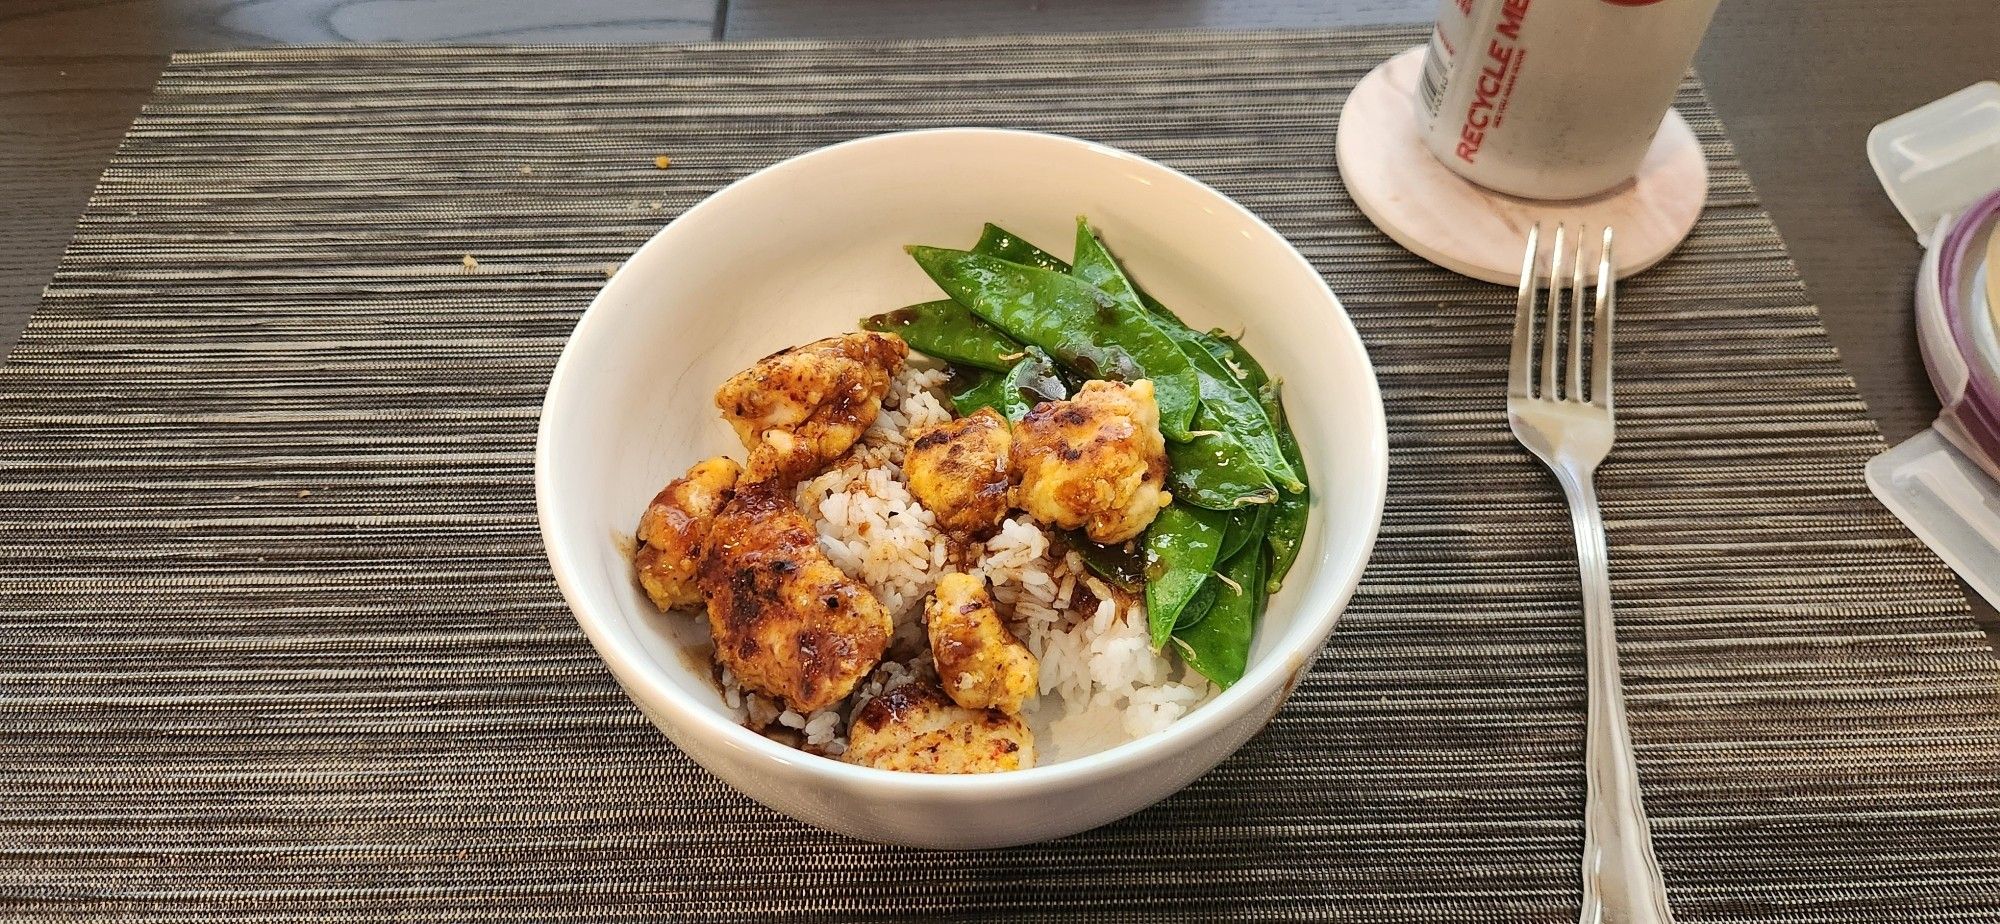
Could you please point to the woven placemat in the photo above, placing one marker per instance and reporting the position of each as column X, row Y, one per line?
column 277, row 638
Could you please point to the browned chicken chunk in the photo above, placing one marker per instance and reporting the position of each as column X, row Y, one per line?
column 786, row 621
column 958, row 470
column 674, row 529
column 980, row 663
column 915, row 728
column 798, row 409
column 1096, row 461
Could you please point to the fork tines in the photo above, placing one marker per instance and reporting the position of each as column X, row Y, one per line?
column 1561, row 366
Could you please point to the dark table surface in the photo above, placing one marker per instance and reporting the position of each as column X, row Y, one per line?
column 1798, row 82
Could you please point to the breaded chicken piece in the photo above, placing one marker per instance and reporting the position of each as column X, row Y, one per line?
column 674, row 530
column 786, row 621
column 980, row 664
column 797, row 409
column 915, row 728
column 1096, row 461
column 958, row 470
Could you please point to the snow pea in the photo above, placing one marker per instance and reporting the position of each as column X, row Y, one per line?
column 1180, row 552
column 1290, row 512
column 1226, row 405
column 1238, row 360
column 1214, row 471
column 1079, row 325
column 1030, row 381
column 977, row 388
column 1218, row 646
column 1122, row 564
column 946, row 330
column 995, row 241
column 1199, row 606
column 1244, row 525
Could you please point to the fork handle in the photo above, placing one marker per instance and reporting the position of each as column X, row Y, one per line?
column 1621, row 879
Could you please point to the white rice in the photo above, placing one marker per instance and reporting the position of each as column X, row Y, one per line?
column 1109, row 685
column 1101, row 683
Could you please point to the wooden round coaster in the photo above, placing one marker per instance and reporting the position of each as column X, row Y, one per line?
column 1476, row 232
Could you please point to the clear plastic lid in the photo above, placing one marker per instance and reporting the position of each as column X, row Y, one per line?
column 1935, row 162
column 1948, row 502
column 1935, row 159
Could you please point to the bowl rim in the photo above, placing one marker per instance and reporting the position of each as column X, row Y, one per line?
column 639, row 675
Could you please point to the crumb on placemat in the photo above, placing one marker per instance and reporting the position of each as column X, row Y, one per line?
column 469, row 263
column 662, row 161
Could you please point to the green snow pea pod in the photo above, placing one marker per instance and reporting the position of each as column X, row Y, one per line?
column 1237, row 359
column 1288, row 519
column 995, row 241
column 1123, row 564
column 1291, row 511
column 1287, row 527
column 976, row 388
column 1226, row 405
column 1245, row 526
column 946, row 330
column 1030, row 381
column 1228, row 408
column 1079, row 325
column 1199, row 606
column 1218, row 647
column 1214, row 471
column 1180, row 552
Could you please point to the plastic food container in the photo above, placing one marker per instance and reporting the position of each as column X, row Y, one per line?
column 1941, row 167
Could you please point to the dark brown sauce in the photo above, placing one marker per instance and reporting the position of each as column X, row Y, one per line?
column 1036, row 388
column 699, row 657
column 1123, row 565
column 627, row 546
column 957, row 378
column 789, row 737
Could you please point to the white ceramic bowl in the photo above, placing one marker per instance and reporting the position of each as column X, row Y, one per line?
column 802, row 250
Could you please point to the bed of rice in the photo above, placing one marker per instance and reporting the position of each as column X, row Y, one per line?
column 1101, row 684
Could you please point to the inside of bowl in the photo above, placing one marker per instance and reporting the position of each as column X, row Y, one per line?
column 805, row 250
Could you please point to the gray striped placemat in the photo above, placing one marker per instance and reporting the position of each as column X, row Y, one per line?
column 277, row 639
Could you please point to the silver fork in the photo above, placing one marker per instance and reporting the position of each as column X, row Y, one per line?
column 1570, row 430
